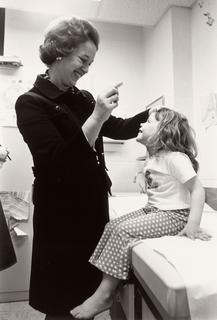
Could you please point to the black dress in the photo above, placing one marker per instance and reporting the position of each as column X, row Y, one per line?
column 70, row 192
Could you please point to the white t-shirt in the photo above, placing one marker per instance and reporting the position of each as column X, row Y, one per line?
column 165, row 176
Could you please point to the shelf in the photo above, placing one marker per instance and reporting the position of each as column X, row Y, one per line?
column 111, row 141
column 10, row 62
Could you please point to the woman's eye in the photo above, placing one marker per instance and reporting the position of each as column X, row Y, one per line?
column 85, row 61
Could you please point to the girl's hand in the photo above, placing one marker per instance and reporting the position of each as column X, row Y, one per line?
column 139, row 179
column 193, row 232
column 106, row 102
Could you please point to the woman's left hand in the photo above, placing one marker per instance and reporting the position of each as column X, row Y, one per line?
column 194, row 233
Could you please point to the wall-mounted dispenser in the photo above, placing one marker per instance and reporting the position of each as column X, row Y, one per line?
column 10, row 61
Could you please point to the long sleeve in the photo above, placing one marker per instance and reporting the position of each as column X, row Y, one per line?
column 118, row 128
column 53, row 135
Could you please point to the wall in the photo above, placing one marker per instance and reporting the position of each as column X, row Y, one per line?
column 158, row 61
column 167, row 67
column 119, row 59
column 204, row 57
column 182, row 60
column 22, row 41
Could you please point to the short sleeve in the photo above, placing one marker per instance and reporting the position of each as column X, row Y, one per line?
column 180, row 167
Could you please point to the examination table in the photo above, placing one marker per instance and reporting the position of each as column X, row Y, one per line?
column 156, row 289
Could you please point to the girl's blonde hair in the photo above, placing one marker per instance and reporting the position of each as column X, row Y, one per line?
column 174, row 134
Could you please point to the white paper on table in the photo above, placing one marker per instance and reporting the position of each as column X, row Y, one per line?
column 196, row 262
column 125, row 203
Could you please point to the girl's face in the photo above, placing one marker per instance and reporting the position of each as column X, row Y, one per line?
column 69, row 69
column 147, row 129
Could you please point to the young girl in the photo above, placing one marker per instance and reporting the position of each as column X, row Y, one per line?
column 175, row 204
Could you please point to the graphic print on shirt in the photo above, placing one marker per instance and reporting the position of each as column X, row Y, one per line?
column 150, row 184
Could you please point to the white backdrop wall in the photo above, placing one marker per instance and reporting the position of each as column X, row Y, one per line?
column 204, row 57
column 182, row 60
column 167, row 60
column 158, row 61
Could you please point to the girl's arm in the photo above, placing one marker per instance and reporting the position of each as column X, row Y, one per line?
column 192, row 228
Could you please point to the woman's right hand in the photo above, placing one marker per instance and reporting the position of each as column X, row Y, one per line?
column 106, row 102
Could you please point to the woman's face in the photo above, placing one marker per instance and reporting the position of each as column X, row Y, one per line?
column 71, row 68
column 147, row 129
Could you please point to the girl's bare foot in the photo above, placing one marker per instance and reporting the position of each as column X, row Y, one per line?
column 92, row 306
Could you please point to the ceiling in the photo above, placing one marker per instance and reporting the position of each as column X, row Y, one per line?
column 132, row 12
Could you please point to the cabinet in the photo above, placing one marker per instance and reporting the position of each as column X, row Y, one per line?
column 14, row 281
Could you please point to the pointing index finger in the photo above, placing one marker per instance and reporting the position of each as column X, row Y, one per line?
column 118, row 85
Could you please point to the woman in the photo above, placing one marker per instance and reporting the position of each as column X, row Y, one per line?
column 63, row 128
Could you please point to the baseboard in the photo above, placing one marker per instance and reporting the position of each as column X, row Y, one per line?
column 14, row 296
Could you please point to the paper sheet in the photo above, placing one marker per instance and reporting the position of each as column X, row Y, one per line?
column 124, row 203
column 16, row 204
column 196, row 262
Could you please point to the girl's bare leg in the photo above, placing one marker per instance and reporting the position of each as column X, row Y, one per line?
column 101, row 300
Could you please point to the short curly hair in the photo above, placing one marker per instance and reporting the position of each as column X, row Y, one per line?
column 65, row 34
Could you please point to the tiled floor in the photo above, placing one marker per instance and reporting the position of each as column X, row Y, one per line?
column 19, row 311
column 22, row 311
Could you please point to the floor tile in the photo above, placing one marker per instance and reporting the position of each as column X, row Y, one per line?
column 22, row 311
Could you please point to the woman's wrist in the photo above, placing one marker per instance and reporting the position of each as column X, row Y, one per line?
column 100, row 119
column 91, row 129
